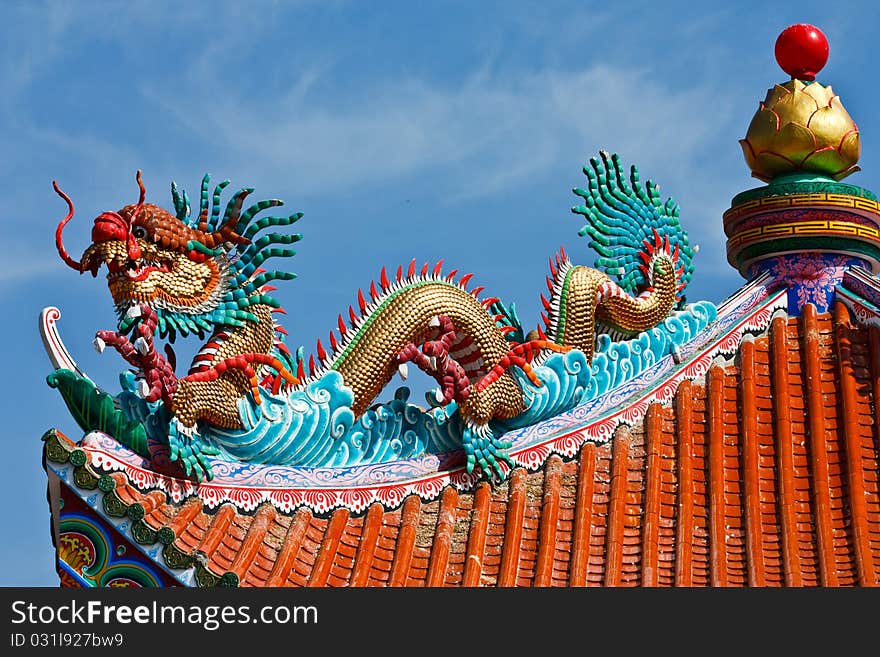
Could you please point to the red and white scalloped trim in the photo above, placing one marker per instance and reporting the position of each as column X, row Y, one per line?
column 864, row 314
column 320, row 500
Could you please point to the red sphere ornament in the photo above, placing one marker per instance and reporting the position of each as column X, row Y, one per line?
column 801, row 51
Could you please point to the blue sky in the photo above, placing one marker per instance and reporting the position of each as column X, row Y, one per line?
column 453, row 130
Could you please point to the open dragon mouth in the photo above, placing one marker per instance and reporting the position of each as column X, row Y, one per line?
column 135, row 270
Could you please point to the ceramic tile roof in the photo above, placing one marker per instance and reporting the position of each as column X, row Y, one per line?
column 763, row 474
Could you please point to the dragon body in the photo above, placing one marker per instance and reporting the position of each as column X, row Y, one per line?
column 176, row 274
column 408, row 313
column 584, row 300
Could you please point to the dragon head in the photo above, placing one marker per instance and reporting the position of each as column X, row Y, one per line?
column 195, row 272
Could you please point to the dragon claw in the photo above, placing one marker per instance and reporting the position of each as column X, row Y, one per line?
column 99, row 345
column 487, row 451
column 134, row 312
column 142, row 345
column 186, row 447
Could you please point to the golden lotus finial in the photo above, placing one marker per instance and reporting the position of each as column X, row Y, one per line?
column 801, row 126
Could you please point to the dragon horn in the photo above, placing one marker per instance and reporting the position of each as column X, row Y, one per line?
column 59, row 243
column 143, row 194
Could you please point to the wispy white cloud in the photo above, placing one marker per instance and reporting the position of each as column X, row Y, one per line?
column 39, row 34
column 22, row 264
column 476, row 135
column 487, row 133
column 35, row 44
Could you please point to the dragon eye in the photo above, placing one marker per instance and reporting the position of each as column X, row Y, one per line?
column 139, row 231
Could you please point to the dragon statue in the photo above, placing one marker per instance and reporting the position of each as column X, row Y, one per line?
column 247, row 396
